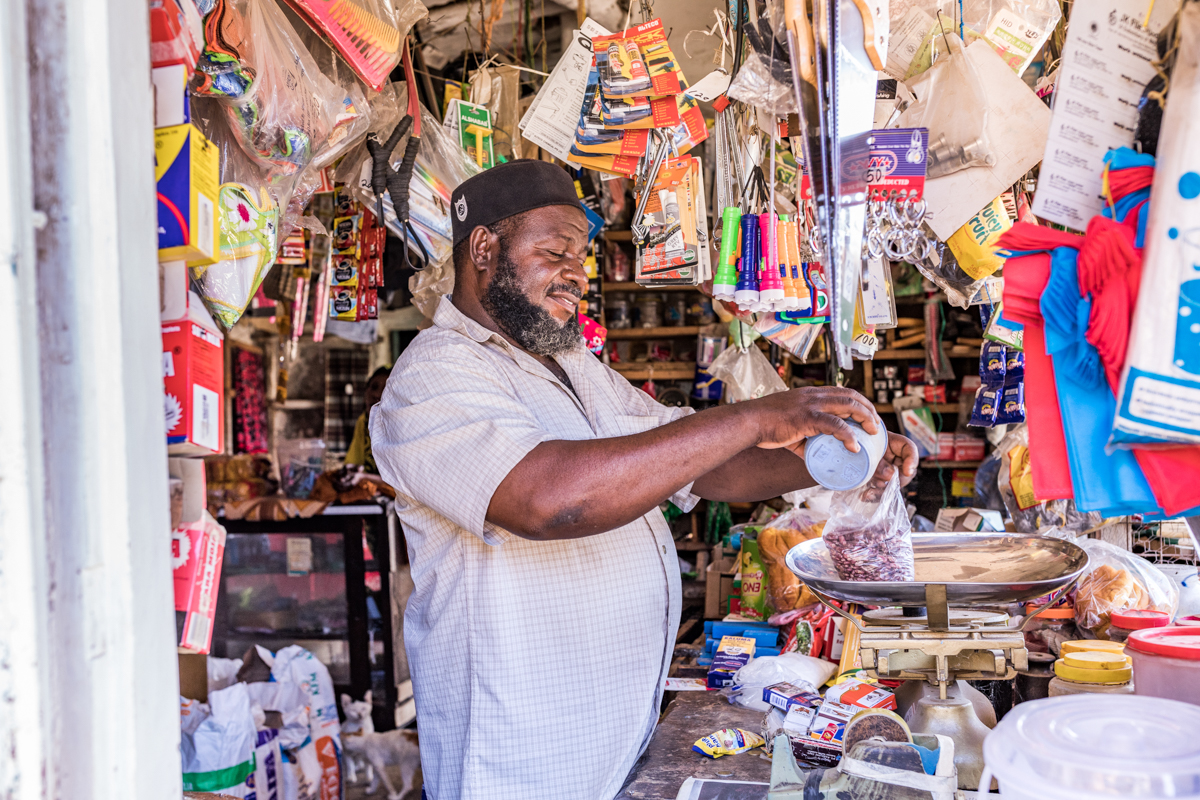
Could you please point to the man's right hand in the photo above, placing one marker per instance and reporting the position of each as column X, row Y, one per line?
column 787, row 419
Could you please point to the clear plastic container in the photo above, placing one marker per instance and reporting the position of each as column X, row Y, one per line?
column 1084, row 747
column 1061, row 688
column 1166, row 663
column 1126, row 621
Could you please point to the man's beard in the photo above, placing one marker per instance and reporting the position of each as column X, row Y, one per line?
column 530, row 326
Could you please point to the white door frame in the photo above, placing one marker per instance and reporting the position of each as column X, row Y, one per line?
column 88, row 674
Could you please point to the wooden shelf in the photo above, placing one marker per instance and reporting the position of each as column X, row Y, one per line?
column 618, row 236
column 632, row 286
column 940, row 408
column 654, row 333
column 956, row 351
column 661, row 370
column 950, row 464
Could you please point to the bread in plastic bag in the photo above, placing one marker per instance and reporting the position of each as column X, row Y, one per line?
column 870, row 541
column 746, row 373
column 952, row 104
column 784, row 590
column 1117, row 580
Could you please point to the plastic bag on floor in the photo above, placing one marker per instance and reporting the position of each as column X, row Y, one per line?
column 296, row 665
column 218, row 752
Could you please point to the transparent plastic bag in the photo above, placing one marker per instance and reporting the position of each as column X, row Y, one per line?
column 764, row 83
column 367, row 34
column 1116, row 580
column 1016, row 29
column 440, row 167
column 784, row 590
column 952, row 104
column 941, row 267
column 1016, row 490
column 301, row 462
column 870, row 541
column 746, row 373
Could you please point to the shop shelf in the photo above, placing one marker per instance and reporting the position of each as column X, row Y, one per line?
column 654, row 333
column 661, row 370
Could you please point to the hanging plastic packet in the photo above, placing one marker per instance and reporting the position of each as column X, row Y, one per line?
column 993, row 366
column 952, row 104
column 974, row 244
column 993, row 362
column 1011, row 408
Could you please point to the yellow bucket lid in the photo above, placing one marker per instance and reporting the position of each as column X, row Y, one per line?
column 1078, row 675
column 1096, row 660
column 1092, row 646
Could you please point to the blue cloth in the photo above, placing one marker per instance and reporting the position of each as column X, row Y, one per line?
column 1112, row 484
column 929, row 758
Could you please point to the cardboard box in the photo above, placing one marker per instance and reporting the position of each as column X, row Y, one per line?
column 193, row 676
column 829, row 723
column 853, row 692
column 194, row 495
column 785, row 696
column 196, row 552
column 718, row 582
column 171, row 106
column 815, row 753
column 178, row 301
column 945, row 447
column 732, row 654
column 968, row 447
column 194, row 386
column 968, row 520
column 186, row 169
column 799, row 720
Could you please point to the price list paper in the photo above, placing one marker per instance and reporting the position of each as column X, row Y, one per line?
column 1105, row 67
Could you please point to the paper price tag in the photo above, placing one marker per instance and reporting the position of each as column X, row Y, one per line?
column 711, row 86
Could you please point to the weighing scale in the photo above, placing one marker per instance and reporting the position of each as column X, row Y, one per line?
column 944, row 626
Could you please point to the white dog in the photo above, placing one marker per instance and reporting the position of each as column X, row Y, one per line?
column 373, row 752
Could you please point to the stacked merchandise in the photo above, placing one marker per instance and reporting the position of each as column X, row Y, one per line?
column 356, row 275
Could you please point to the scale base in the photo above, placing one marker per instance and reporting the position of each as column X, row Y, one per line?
column 956, row 718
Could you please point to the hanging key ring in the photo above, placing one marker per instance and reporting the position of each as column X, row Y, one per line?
column 914, row 212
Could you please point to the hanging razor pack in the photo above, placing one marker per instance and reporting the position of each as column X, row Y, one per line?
column 835, row 57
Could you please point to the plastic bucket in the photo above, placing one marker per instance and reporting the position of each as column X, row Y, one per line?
column 1085, row 747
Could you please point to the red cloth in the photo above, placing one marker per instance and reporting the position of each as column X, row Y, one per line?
column 1025, row 278
column 1110, row 269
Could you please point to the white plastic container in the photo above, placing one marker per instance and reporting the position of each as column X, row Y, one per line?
column 1166, row 663
column 1086, row 747
column 835, row 467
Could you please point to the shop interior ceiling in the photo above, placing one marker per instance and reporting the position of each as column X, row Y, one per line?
column 453, row 27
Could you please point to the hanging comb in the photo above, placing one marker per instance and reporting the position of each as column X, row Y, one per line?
column 370, row 45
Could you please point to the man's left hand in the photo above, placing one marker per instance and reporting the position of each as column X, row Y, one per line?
column 901, row 454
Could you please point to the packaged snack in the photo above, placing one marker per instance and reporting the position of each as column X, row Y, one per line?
column 1011, row 408
column 869, row 540
column 853, row 692
column 785, row 696
column 733, row 653
column 728, row 741
column 754, row 581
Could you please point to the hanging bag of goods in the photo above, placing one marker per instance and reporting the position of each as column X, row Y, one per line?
column 366, row 33
column 1159, row 398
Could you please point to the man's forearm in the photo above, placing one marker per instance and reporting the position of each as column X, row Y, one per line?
column 754, row 474
column 567, row 489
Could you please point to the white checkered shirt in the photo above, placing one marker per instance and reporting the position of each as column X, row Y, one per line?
column 537, row 666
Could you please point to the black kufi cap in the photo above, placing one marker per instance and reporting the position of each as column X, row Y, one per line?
column 507, row 190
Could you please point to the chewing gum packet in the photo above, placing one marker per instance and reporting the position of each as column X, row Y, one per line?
column 728, row 741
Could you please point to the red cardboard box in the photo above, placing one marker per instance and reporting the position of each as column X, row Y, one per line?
column 194, row 383
column 967, row 447
column 946, row 447
column 196, row 552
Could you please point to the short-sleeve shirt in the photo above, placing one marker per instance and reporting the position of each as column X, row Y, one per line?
column 537, row 666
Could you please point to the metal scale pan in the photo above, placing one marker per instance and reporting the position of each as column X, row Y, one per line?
column 975, row 569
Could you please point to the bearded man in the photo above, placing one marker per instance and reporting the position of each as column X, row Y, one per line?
column 529, row 477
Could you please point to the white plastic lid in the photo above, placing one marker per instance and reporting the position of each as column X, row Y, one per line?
column 835, row 467
column 1083, row 746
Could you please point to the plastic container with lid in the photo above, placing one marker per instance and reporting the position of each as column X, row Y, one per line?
column 1092, row 645
column 1091, row 672
column 833, row 466
column 1126, row 621
column 1059, row 622
column 1083, row 748
column 1166, row 662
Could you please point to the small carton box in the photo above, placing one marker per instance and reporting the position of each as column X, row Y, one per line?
column 829, row 723
column 732, row 654
column 968, row 447
column 194, row 385
column 816, row 753
column 786, row 695
column 197, row 551
column 799, row 720
column 858, row 693
column 171, row 106
column 186, row 169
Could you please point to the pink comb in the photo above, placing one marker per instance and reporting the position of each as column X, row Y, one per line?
column 370, row 45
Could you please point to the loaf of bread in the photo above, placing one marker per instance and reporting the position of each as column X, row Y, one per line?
column 784, row 590
column 1104, row 590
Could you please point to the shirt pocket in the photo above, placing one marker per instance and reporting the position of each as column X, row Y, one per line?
column 629, row 424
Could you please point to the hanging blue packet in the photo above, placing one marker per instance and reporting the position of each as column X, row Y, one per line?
column 993, row 363
column 983, row 413
column 1014, row 363
column 1011, row 408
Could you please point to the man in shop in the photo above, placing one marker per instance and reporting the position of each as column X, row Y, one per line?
column 360, row 444
column 529, row 477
